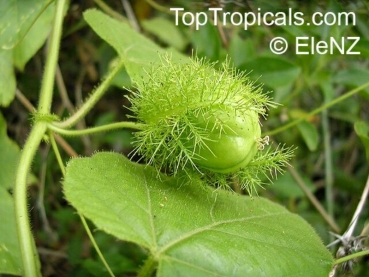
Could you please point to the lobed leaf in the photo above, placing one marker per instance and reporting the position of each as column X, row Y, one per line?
column 192, row 230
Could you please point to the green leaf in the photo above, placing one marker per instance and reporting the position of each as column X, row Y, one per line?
column 7, row 78
column 354, row 77
column 363, row 47
column 192, row 230
column 10, row 258
column 309, row 134
column 206, row 42
column 17, row 17
column 274, row 72
column 285, row 186
column 362, row 130
column 34, row 39
column 241, row 50
column 139, row 53
column 166, row 31
column 24, row 26
column 8, row 158
column 362, row 26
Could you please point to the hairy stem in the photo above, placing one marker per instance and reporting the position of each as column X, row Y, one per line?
column 317, row 110
column 56, row 151
column 148, row 268
column 26, row 242
column 90, row 102
column 28, row 252
column 104, row 128
column 52, row 60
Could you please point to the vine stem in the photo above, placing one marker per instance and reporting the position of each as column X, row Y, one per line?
column 148, row 268
column 57, row 153
column 326, row 88
column 95, row 244
column 47, row 86
column 90, row 102
column 313, row 199
column 83, row 220
column 358, row 210
column 30, row 262
column 26, row 242
column 350, row 230
column 92, row 130
column 106, row 8
column 158, row 7
column 317, row 110
column 328, row 169
column 352, row 256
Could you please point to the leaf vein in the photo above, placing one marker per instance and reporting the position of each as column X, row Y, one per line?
column 210, row 226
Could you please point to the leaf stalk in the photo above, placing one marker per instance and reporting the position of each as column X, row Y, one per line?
column 93, row 130
column 90, row 102
column 148, row 268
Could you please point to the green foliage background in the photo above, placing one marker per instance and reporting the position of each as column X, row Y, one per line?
column 332, row 156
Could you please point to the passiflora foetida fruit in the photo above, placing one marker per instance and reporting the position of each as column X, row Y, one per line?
column 228, row 147
column 199, row 119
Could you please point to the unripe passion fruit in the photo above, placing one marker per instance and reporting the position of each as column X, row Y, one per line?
column 196, row 119
column 231, row 141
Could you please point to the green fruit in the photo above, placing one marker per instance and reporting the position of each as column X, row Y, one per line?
column 231, row 139
column 201, row 121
